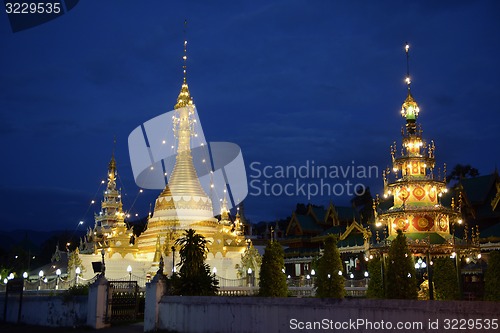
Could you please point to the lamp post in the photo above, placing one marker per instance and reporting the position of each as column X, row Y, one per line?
column 129, row 270
column 366, row 279
column 40, row 275
column 214, row 270
column 173, row 259
column 58, row 275
column 249, row 271
column 77, row 271
column 103, row 267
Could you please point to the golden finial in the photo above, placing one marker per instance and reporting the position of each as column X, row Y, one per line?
column 112, row 163
column 407, row 80
column 184, row 98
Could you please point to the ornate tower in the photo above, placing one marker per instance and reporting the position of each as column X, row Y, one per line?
column 110, row 231
column 415, row 187
column 183, row 204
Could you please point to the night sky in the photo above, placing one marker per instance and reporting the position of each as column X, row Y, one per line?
column 288, row 81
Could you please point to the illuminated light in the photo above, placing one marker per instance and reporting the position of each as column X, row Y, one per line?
column 140, row 191
column 423, row 265
column 453, row 255
column 172, row 147
column 409, row 275
column 425, row 165
column 11, row 276
column 408, row 81
column 249, row 270
column 389, row 192
column 163, row 142
column 5, row 281
column 283, row 270
column 385, row 195
column 58, row 272
column 40, row 274
column 92, row 202
column 378, row 224
column 459, row 221
column 417, row 265
column 136, row 214
column 129, row 269
column 45, row 280
column 366, row 259
column 109, row 249
column 214, row 270
column 128, row 215
column 313, row 272
column 366, row 274
column 371, row 256
column 406, row 255
column 25, row 275
column 102, row 181
column 440, row 195
column 432, row 263
column 203, row 160
column 152, row 168
column 212, row 185
column 80, row 223
column 407, row 47
column 467, row 259
column 340, row 273
column 395, row 169
column 445, row 190
column 329, row 276
column 202, row 144
column 351, row 276
column 479, row 256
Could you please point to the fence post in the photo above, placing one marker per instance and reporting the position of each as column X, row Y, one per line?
column 154, row 292
column 98, row 304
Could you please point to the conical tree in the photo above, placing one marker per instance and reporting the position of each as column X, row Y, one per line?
column 445, row 280
column 194, row 278
column 376, row 283
column 272, row 281
column 328, row 281
column 492, row 277
column 401, row 279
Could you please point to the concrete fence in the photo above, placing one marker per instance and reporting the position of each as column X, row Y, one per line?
column 45, row 310
column 56, row 309
column 253, row 314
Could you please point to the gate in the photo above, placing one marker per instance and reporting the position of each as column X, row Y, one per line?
column 125, row 302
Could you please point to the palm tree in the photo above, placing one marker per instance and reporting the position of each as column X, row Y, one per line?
column 194, row 276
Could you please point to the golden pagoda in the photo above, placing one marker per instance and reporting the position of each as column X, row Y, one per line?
column 418, row 192
column 184, row 204
column 110, row 231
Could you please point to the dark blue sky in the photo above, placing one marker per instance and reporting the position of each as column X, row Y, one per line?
column 288, row 81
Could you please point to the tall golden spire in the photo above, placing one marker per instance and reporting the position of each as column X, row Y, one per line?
column 409, row 109
column 184, row 179
column 184, row 98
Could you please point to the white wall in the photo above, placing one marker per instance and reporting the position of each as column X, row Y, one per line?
column 46, row 310
column 252, row 314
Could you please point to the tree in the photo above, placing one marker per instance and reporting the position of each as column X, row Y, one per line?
column 376, row 283
column 272, row 281
column 401, row 279
column 492, row 278
column 194, row 278
column 462, row 171
column 445, row 280
column 328, row 281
